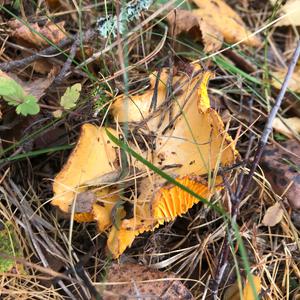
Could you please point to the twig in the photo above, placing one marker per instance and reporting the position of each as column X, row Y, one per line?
column 223, row 261
column 88, row 35
column 236, row 197
column 21, row 63
column 18, row 64
column 222, row 265
column 67, row 65
column 268, row 127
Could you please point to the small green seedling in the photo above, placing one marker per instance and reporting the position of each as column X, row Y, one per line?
column 9, row 246
column 71, row 96
column 15, row 95
column 280, row 137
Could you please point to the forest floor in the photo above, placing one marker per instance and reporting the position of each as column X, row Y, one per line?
column 149, row 149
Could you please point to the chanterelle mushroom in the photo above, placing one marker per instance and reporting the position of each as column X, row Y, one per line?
column 190, row 141
column 93, row 156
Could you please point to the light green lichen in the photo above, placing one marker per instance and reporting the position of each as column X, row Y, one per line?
column 109, row 25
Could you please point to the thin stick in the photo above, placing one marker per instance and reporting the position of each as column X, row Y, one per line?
column 67, row 65
column 236, row 197
column 19, row 64
column 268, row 127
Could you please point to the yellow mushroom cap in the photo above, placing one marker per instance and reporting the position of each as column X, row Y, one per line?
column 93, row 156
column 197, row 142
column 121, row 238
column 102, row 209
column 137, row 107
column 172, row 201
column 83, row 217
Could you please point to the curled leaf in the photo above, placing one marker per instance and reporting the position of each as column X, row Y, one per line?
column 226, row 21
column 212, row 23
column 186, row 21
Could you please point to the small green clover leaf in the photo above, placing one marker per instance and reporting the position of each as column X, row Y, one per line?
column 71, row 96
column 11, row 91
column 14, row 95
column 28, row 107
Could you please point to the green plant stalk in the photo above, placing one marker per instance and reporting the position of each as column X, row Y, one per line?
column 244, row 256
column 218, row 209
column 164, row 175
column 35, row 153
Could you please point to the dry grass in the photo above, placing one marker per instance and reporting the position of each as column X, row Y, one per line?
column 56, row 264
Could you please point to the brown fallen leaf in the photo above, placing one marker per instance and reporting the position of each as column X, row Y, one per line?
column 212, row 23
column 185, row 21
column 287, row 126
column 282, row 169
column 34, row 35
column 294, row 82
column 128, row 281
column 222, row 17
column 292, row 11
column 273, row 215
